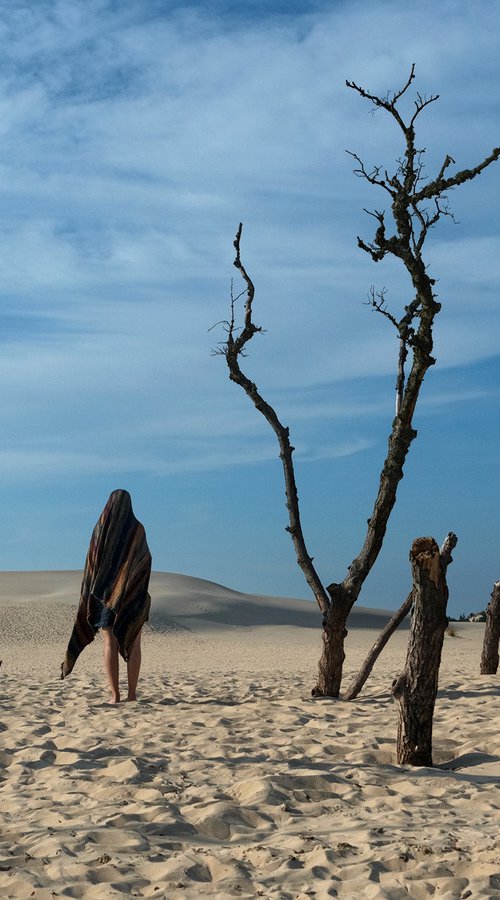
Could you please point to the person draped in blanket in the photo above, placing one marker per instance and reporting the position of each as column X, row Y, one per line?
column 114, row 594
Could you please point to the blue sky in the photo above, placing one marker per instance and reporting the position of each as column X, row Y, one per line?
column 134, row 138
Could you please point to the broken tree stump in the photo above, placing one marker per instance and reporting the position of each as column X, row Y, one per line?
column 489, row 656
column 358, row 681
column 416, row 688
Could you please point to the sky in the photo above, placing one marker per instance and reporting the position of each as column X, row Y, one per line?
column 134, row 137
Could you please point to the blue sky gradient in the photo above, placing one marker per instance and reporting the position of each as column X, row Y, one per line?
column 135, row 136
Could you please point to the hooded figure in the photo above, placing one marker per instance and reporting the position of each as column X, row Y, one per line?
column 115, row 582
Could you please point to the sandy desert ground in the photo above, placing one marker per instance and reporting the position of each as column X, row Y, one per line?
column 226, row 779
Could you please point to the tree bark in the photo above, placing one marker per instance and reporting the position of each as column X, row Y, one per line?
column 489, row 656
column 359, row 680
column 416, row 688
column 332, row 657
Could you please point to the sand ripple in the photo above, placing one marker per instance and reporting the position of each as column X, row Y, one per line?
column 243, row 787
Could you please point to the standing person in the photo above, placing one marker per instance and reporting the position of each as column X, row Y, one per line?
column 114, row 594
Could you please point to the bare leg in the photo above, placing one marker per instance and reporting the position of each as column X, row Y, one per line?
column 111, row 663
column 134, row 667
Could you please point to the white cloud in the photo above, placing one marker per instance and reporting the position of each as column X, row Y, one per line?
column 472, row 261
column 349, row 448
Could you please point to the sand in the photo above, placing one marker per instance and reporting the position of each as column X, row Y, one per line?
column 226, row 779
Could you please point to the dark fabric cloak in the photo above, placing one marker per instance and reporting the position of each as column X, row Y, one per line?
column 116, row 575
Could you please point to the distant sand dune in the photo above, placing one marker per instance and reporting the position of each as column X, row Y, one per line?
column 183, row 601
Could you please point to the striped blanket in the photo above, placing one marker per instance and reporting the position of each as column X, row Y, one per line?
column 116, row 575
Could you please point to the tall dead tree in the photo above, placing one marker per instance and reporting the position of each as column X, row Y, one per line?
column 416, row 206
column 489, row 656
column 416, row 688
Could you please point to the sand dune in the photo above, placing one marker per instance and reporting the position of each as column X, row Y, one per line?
column 182, row 601
column 226, row 779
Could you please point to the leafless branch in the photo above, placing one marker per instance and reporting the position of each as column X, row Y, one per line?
column 420, row 104
column 373, row 177
column 438, row 187
column 376, row 299
column 388, row 102
column 233, row 349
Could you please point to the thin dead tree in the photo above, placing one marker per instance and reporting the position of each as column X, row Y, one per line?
column 489, row 656
column 395, row 621
column 416, row 206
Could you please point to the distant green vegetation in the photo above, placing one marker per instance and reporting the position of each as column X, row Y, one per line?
column 471, row 617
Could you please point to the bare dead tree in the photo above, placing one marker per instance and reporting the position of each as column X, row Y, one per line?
column 489, row 656
column 416, row 688
column 416, row 206
column 395, row 621
column 233, row 349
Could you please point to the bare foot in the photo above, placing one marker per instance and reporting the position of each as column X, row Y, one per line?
column 131, row 699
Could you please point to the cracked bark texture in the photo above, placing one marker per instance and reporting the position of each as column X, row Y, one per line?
column 416, row 688
column 490, row 656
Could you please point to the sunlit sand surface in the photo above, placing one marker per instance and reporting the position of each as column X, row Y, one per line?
column 226, row 779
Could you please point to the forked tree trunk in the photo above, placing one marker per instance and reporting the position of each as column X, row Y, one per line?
column 416, row 688
column 359, row 680
column 334, row 634
column 489, row 657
